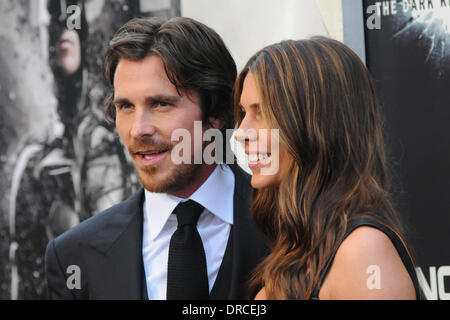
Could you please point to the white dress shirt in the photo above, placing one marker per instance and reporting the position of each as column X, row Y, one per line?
column 216, row 194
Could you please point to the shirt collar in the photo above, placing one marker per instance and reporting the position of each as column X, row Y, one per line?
column 216, row 194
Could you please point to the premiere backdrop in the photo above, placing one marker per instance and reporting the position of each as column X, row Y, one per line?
column 408, row 53
column 61, row 162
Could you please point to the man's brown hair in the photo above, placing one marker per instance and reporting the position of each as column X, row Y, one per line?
column 195, row 59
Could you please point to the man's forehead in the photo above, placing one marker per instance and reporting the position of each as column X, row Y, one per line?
column 150, row 66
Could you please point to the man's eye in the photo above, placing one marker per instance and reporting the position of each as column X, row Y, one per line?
column 123, row 106
column 162, row 104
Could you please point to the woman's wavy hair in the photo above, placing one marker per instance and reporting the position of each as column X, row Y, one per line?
column 321, row 97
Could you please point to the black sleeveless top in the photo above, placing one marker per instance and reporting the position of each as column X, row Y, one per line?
column 365, row 221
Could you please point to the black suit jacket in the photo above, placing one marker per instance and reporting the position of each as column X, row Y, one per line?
column 107, row 249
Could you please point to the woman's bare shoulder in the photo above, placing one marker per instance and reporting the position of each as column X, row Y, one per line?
column 367, row 266
column 261, row 295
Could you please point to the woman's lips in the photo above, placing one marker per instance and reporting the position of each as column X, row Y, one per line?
column 258, row 159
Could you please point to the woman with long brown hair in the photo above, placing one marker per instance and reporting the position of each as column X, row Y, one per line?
column 326, row 210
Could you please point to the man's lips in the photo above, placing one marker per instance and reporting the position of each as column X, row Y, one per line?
column 151, row 152
column 150, row 157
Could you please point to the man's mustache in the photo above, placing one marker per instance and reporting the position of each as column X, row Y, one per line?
column 148, row 144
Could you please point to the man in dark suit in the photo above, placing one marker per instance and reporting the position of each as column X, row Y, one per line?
column 167, row 76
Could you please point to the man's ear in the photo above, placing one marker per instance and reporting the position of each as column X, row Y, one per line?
column 216, row 123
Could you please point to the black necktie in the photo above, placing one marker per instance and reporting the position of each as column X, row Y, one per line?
column 187, row 276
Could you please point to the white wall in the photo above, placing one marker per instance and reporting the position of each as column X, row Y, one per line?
column 248, row 25
column 331, row 12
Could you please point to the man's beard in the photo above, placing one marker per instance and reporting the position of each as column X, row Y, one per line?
column 178, row 177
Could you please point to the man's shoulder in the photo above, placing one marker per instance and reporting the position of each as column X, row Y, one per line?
column 243, row 179
column 239, row 172
column 94, row 226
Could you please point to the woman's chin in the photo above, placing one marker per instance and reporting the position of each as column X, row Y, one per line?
column 266, row 181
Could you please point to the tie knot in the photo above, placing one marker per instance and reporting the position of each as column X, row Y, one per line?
column 188, row 212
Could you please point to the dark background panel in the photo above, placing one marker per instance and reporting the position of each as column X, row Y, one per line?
column 409, row 57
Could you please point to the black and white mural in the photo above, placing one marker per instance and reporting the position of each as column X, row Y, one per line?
column 408, row 53
column 60, row 161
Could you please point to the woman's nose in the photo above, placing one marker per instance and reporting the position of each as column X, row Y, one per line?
column 245, row 135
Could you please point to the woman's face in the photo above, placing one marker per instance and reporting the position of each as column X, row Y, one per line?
column 267, row 158
column 68, row 51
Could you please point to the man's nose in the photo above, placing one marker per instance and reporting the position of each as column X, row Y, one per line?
column 142, row 124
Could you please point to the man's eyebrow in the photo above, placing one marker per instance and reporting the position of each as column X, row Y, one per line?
column 157, row 97
column 120, row 100
column 163, row 97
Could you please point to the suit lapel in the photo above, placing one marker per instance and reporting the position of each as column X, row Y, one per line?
column 242, row 230
column 118, row 270
column 233, row 272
